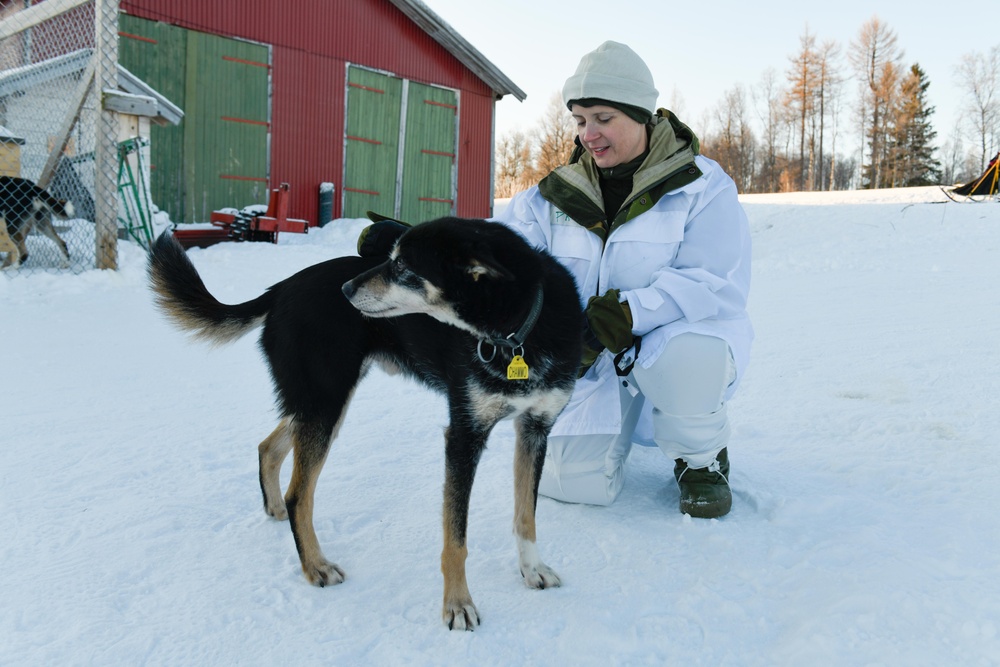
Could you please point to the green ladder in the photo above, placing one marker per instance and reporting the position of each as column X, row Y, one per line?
column 133, row 193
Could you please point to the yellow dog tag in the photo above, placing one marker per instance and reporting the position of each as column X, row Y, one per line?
column 518, row 370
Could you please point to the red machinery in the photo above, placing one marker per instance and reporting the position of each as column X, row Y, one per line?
column 246, row 225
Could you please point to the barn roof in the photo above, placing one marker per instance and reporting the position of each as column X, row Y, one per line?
column 445, row 35
column 26, row 77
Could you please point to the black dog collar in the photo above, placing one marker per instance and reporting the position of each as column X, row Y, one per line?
column 516, row 339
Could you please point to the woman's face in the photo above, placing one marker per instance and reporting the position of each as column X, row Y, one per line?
column 611, row 137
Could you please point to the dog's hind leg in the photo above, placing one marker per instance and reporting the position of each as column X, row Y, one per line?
column 311, row 441
column 271, row 453
column 463, row 447
column 532, row 437
column 44, row 225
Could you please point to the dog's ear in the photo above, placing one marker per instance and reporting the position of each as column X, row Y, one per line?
column 485, row 265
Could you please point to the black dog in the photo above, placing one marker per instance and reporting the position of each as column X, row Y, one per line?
column 467, row 307
column 25, row 206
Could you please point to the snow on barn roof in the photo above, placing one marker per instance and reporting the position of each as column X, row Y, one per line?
column 19, row 79
column 468, row 55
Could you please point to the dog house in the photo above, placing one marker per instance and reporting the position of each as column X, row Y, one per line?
column 10, row 153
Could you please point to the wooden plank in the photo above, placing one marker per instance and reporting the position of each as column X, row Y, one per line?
column 134, row 105
column 72, row 115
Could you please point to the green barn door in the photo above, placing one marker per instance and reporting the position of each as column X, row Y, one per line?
column 217, row 157
column 227, row 125
column 371, row 143
column 156, row 53
column 429, row 156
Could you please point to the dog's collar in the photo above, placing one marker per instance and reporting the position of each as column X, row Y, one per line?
column 516, row 340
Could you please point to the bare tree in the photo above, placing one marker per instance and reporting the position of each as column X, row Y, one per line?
column 554, row 136
column 677, row 105
column 767, row 96
column 735, row 147
column 951, row 154
column 828, row 89
column 875, row 57
column 979, row 74
column 835, row 104
column 514, row 169
column 803, row 82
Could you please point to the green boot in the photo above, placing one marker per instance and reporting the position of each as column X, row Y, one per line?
column 705, row 492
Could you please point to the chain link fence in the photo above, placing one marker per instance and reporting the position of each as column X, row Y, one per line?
column 70, row 150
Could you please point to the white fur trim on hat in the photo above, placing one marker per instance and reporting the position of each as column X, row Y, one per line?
column 613, row 72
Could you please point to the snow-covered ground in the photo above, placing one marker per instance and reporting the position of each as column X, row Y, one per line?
column 866, row 462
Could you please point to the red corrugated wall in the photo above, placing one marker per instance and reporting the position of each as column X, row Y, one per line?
column 312, row 42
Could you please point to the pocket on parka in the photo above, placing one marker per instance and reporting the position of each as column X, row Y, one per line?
column 578, row 249
column 644, row 245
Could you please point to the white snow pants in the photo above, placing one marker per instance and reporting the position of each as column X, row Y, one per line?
column 686, row 386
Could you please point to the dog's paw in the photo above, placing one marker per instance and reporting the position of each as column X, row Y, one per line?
column 461, row 615
column 536, row 573
column 540, row 576
column 324, row 574
column 276, row 510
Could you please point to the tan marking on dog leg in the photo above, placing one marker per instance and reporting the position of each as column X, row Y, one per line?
column 7, row 245
column 271, row 454
column 524, row 494
column 310, row 454
column 20, row 237
column 459, row 613
column 536, row 573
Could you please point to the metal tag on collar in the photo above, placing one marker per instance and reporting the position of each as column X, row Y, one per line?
column 518, row 369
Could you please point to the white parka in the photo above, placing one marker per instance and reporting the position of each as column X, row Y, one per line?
column 682, row 261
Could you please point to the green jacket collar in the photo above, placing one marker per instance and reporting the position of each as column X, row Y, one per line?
column 575, row 188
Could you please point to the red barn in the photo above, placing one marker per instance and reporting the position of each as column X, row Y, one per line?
column 379, row 97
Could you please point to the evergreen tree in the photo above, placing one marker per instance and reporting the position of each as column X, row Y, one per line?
column 913, row 151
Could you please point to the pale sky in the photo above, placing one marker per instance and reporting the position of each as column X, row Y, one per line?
column 700, row 50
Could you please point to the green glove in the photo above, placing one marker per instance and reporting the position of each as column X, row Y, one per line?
column 609, row 322
column 377, row 240
column 587, row 360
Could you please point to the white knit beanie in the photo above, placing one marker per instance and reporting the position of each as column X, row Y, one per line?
column 613, row 72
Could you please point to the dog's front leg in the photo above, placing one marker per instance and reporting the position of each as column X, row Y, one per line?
column 463, row 447
column 529, row 456
column 311, row 442
column 8, row 246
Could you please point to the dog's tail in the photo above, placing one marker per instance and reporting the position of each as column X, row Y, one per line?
column 61, row 208
column 183, row 297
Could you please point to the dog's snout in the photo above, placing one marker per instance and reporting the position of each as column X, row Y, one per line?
column 348, row 289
